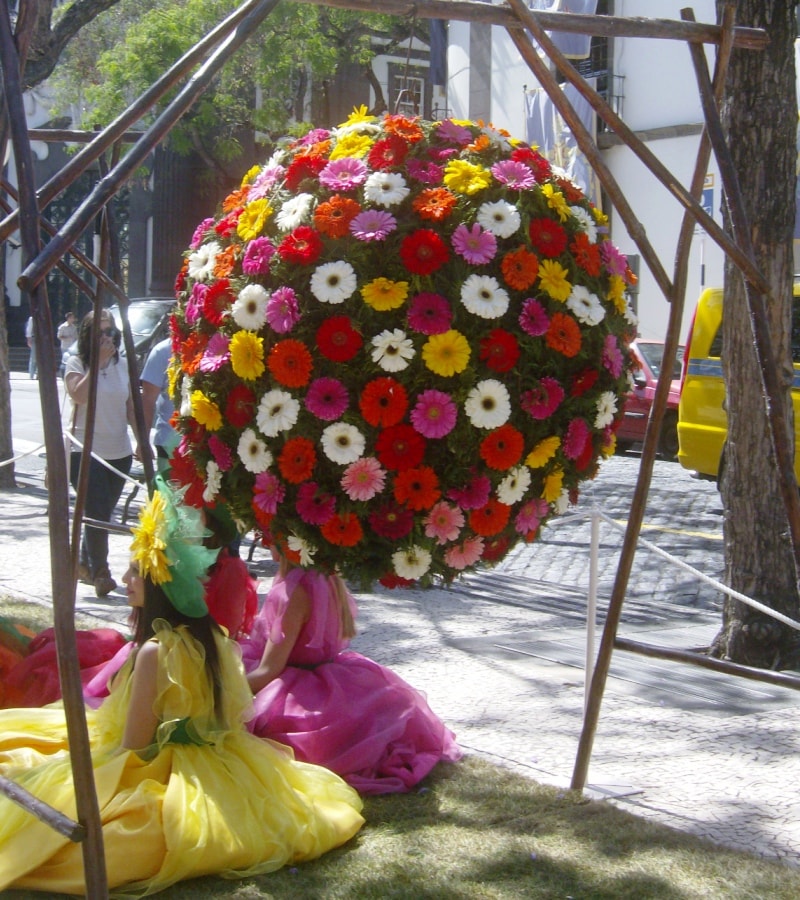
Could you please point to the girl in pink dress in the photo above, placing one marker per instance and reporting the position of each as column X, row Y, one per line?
column 335, row 707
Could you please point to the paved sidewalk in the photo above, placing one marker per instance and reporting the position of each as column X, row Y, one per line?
column 501, row 658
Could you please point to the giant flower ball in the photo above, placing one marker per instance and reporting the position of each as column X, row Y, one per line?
column 399, row 348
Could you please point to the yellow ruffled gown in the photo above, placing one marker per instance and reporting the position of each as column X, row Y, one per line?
column 205, row 800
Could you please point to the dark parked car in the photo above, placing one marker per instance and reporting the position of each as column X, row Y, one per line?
column 648, row 356
column 149, row 321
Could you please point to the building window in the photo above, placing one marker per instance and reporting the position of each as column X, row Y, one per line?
column 409, row 90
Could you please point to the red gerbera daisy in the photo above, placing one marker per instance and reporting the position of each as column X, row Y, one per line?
column 587, row 254
column 387, row 153
column 502, row 448
column 490, row 519
column 423, row 252
column 383, row 402
column 417, row 488
column 302, row 167
column 217, row 302
column 343, row 529
column 400, row 447
column 302, row 246
column 290, row 363
column 240, row 406
column 338, row 340
column 184, row 471
column 499, row 350
column 391, row 521
column 297, row 460
column 583, row 382
column 548, row 237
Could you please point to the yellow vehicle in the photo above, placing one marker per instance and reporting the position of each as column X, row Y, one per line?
column 702, row 420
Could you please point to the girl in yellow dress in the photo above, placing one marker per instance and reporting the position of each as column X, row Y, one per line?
column 184, row 790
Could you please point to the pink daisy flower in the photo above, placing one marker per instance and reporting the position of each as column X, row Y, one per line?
column 314, row 506
column 578, row 433
column 268, row 492
column 199, row 232
column 444, row 522
column 363, row 479
column 475, row 245
column 449, row 131
column 194, row 305
column 327, row 398
column 615, row 261
column 343, row 174
column 429, row 314
column 216, row 353
column 283, row 311
column 542, row 401
column 266, row 179
column 372, row 225
column 533, row 319
column 530, row 515
column 434, row 414
column 424, row 172
column 612, row 356
column 465, row 554
column 257, row 256
column 473, row 495
column 514, row 174
column 222, row 453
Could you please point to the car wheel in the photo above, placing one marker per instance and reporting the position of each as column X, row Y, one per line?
column 668, row 441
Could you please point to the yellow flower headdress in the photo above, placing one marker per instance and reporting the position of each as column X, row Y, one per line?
column 168, row 546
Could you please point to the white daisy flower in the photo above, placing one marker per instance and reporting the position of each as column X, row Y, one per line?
column 499, row 217
column 585, row 222
column 561, row 504
column 334, row 282
column 483, row 296
column 586, row 305
column 386, row 188
column 630, row 316
column 306, row 551
column 203, row 260
column 276, row 412
column 606, row 408
column 250, row 308
column 253, row 452
column 357, row 128
column 343, row 443
column 186, row 397
column 513, row 487
column 488, row 404
column 213, row 481
column 499, row 140
column 392, row 350
column 294, row 212
column 412, row 563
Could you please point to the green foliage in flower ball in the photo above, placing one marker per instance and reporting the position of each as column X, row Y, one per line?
column 400, row 347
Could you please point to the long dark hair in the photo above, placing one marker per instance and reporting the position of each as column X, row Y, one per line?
column 203, row 629
column 85, row 336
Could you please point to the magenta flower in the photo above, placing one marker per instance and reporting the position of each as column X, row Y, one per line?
column 465, row 554
column 327, row 398
column 343, row 174
column 530, row 516
column 449, row 131
column 194, row 305
column 444, row 522
column 541, row 402
column 612, row 356
column 615, row 261
column 473, row 495
column 578, row 433
column 424, row 172
column 314, row 506
column 283, row 311
column 216, row 353
column 514, row 174
column 257, row 256
column 372, row 225
column 222, row 453
column 533, row 319
column 202, row 228
column 429, row 313
column 434, row 415
column 268, row 492
column 363, row 479
column 475, row 245
column 315, row 136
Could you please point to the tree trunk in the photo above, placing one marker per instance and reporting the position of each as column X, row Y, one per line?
column 759, row 116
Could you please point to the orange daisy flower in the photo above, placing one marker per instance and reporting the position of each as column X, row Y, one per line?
column 290, row 363
column 564, row 335
column 404, row 128
column 587, row 254
column 490, row 519
column 502, row 448
column 333, row 217
column 520, row 268
column 225, row 261
column 571, row 191
column 235, row 199
column 417, row 488
column 192, row 350
column 434, row 204
column 297, row 460
column 343, row 530
column 480, row 143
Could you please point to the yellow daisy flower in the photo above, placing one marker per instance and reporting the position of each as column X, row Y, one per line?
column 466, row 178
column 253, row 218
column 543, row 452
column 355, row 145
column 358, row 115
column 446, row 354
column 247, row 355
column 383, row 294
column 149, row 540
column 616, row 293
column 552, row 486
column 250, row 175
column 205, row 411
column 599, row 216
column 553, row 280
column 556, row 201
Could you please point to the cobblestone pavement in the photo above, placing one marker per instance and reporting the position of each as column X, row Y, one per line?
column 501, row 658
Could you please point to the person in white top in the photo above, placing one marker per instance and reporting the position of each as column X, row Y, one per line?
column 110, row 441
column 67, row 331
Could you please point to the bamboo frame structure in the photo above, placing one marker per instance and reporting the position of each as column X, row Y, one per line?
column 210, row 54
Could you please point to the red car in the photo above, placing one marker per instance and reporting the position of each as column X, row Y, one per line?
column 648, row 356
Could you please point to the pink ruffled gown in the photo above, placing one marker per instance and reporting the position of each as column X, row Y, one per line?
column 337, row 708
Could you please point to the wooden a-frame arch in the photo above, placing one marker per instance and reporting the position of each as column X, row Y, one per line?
column 207, row 57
